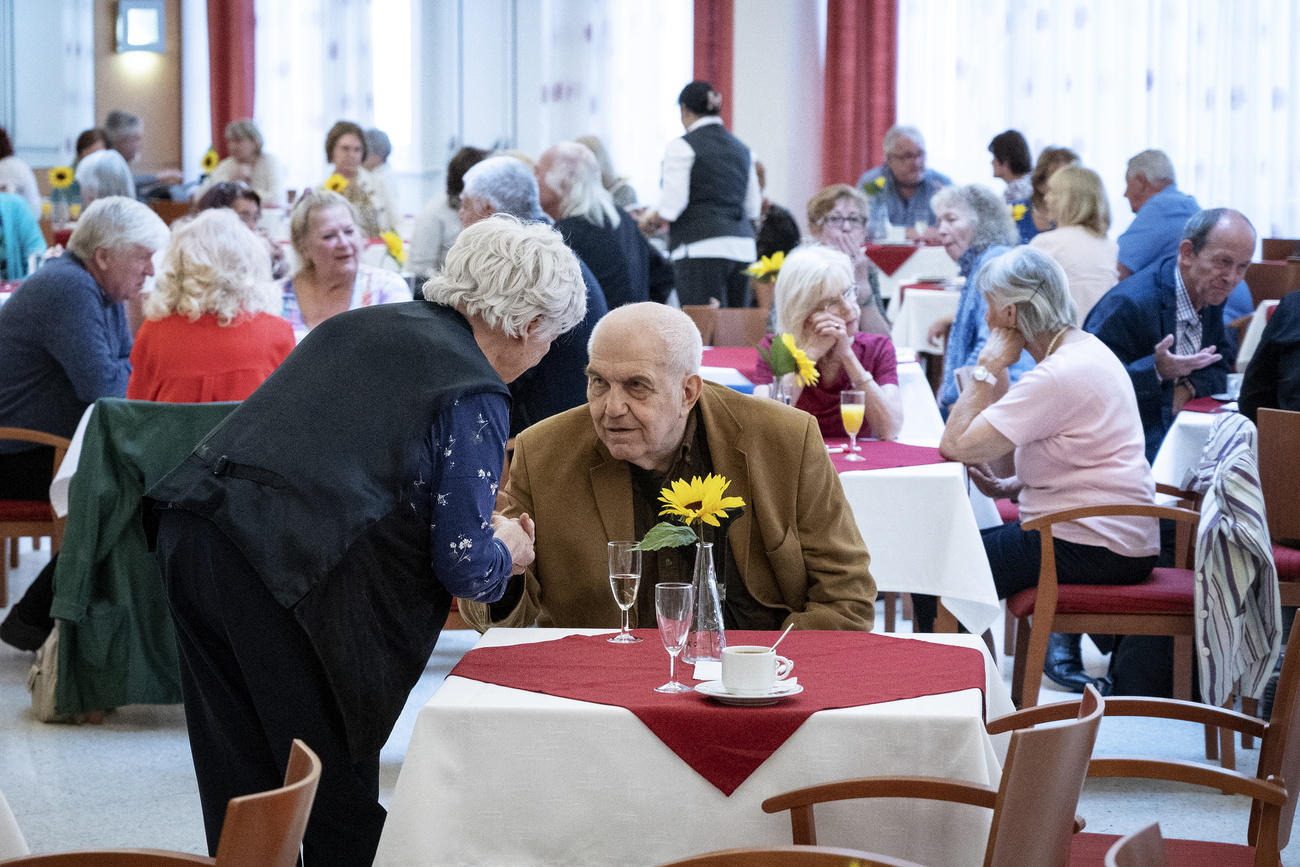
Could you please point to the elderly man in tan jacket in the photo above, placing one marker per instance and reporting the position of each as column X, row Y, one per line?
column 593, row 475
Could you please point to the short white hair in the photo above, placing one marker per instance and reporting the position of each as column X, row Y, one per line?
column 899, row 131
column 683, row 347
column 105, row 173
column 575, row 175
column 116, row 223
column 214, row 264
column 805, row 275
column 1153, row 165
column 508, row 273
column 1033, row 281
column 508, row 184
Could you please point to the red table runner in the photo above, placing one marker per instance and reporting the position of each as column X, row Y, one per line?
column 1204, row 404
column 740, row 358
column 882, row 455
column 889, row 257
column 727, row 744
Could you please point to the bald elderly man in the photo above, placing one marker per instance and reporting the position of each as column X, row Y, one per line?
column 593, row 475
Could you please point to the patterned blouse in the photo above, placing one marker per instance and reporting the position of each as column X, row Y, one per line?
column 372, row 286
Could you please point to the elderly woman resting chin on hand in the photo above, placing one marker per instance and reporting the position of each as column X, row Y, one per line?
column 1073, row 424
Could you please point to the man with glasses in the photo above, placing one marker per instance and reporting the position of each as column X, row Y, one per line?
column 908, row 184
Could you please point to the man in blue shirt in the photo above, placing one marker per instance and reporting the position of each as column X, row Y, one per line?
column 908, row 184
column 1162, row 212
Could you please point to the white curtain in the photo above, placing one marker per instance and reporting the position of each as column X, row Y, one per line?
column 314, row 67
column 1213, row 84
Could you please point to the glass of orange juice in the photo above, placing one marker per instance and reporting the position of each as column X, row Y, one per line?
column 852, row 409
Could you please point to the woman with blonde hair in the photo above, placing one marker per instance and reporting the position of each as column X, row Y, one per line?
column 212, row 331
column 817, row 304
column 1076, row 201
column 247, row 163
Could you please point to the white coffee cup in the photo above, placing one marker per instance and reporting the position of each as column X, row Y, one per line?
column 750, row 669
column 895, row 234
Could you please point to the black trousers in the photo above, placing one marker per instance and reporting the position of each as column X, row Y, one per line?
column 698, row 280
column 252, row 683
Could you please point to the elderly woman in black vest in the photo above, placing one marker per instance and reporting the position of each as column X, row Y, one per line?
column 710, row 200
column 311, row 545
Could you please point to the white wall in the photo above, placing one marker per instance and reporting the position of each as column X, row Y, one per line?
column 47, row 76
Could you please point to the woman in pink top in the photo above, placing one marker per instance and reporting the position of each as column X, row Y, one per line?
column 1073, row 424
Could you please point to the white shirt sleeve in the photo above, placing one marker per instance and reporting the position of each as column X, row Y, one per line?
column 675, row 191
column 753, row 195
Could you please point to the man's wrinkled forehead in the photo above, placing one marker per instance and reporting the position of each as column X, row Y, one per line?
column 627, row 354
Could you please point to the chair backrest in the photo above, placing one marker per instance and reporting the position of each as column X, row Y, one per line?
column 790, row 856
column 1279, row 750
column 1279, row 470
column 40, row 438
column 265, row 829
column 739, row 326
column 170, row 211
column 1271, row 280
column 1033, row 818
column 1279, row 248
column 705, row 319
column 1142, row 848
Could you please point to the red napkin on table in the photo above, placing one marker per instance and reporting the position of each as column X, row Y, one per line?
column 1204, row 404
column 740, row 358
column 882, row 455
column 727, row 744
column 889, row 257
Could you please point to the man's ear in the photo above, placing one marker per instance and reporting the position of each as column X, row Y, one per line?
column 691, row 388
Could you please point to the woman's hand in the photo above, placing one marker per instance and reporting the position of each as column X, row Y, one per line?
column 938, row 330
column 1002, row 349
column 991, row 486
column 518, row 535
column 828, row 334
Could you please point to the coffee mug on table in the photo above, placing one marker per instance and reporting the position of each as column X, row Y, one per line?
column 749, row 669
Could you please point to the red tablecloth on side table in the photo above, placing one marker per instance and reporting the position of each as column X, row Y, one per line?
column 727, row 744
column 882, row 455
column 740, row 358
column 1204, row 404
column 889, row 257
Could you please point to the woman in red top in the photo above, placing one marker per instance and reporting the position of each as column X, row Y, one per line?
column 213, row 331
column 817, row 304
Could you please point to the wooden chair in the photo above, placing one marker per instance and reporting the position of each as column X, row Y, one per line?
column 1279, row 476
column 1271, row 280
column 19, row 518
column 790, row 856
column 705, row 319
column 1033, row 806
column 170, row 211
column 740, row 326
column 1276, row 249
column 1273, row 807
column 1162, row 605
column 261, row 830
column 1142, row 848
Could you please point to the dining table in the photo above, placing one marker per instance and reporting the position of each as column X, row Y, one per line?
column 903, row 263
column 919, row 309
column 551, row 747
column 1254, row 331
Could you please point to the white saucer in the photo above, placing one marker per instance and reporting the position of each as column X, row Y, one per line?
column 716, row 691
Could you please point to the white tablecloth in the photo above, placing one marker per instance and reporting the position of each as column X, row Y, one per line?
column 1250, row 342
column 63, row 475
column 497, row 776
column 1181, row 449
column 926, row 263
column 921, row 307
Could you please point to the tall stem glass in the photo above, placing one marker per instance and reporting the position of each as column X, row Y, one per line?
column 853, row 408
column 673, row 603
column 624, row 581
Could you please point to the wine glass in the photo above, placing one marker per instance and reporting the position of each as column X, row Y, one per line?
column 624, row 579
column 673, row 609
column 852, row 409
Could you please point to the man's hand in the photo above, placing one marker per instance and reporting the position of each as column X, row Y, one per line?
column 1002, row 349
column 1172, row 366
column 518, row 535
column 650, row 223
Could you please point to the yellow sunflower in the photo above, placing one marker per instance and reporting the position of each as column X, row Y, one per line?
column 395, row 247
column 336, row 183
column 880, row 182
column 61, row 177
column 699, row 499
column 1018, row 212
column 210, row 161
column 804, row 366
column 767, row 267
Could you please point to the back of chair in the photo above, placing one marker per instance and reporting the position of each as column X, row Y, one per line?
column 265, row 829
column 1271, row 280
column 790, row 856
column 1279, row 750
column 1143, row 848
column 1279, row 248
column 1279, row 470
column 739, row 326
column 705, row 319
column 1033, row 820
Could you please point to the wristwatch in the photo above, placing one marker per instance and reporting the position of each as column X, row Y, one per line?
column 981, row 373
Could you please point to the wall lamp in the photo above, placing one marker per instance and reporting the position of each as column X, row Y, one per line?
column 141, row 26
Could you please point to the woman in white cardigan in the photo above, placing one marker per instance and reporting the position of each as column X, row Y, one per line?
column 1076, row 199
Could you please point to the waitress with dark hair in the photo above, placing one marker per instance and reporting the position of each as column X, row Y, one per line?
column 710, row 199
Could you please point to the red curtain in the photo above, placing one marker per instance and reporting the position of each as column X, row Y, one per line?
column 715, row 29
column 230, row 63
column 860, row 91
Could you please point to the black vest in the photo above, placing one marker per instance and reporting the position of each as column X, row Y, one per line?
column 312, row 479
column 719, row 180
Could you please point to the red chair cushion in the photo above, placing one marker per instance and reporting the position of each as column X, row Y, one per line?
column 1288, row 563
column 1007, row 510
column 1167, row 591
column 1089, row 850
column 25, row 510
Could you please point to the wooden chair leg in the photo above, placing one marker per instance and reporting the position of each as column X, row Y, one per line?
column 36, row 543
column 944, row 621
column 891, row 611
column 1008, row 632
column 1018, row 661
column 1035, row 655
column 907, row 609
column 13, row 552
column 4, row 572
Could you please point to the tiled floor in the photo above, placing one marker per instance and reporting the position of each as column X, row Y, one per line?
column 129, row 782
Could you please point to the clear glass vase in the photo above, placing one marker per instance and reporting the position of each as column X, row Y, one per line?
column 707, row 637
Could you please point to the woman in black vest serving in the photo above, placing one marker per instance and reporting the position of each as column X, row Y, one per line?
column 311, row 544
column 710, row 198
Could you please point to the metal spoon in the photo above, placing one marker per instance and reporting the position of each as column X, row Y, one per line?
column 783, row 635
